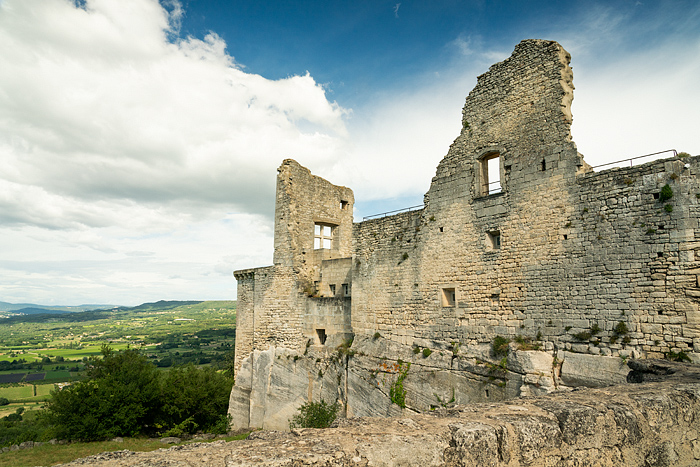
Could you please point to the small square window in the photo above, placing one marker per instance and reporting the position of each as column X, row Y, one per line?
column 343, row 204
column 448, row 297
column 494, row 238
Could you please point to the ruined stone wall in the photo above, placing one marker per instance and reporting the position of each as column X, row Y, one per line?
column 245, row 313
column 519, row 110
column 584, row 269
column 302, row 201
column 279, row 305
column 639, row 257
column 577, row 253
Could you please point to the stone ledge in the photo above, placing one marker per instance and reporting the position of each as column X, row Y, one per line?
column 648, row 424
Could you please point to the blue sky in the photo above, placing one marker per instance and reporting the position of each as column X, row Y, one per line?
column 139, row 139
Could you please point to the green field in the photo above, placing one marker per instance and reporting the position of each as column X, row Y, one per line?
column 169, row 333
column 26, row 392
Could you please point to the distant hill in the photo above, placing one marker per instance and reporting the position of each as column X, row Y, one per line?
column 16, row 307
column 161, row 305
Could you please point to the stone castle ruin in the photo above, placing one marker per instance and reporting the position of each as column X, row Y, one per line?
column 524, row 273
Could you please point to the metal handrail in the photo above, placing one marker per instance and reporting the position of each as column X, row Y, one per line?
column 494, row 189
column 384, row 214
column 499, row 188
column 675, row 154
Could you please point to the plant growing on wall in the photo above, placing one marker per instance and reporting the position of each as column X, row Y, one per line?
column 500, row 346
column 397, row 393
column 666, row 193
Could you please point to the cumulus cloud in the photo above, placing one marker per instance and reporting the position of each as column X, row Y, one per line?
column 130, row 155
column 97, row 103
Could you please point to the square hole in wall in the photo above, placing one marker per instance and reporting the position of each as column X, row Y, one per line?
column 321, row 335
column 448, row 296
column 494, row 239
column 343, row 204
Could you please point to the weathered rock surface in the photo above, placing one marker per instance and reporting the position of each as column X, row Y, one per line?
column 272, row 384
column 649, row 424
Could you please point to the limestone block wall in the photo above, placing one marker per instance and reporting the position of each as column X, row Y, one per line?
column 641, row 255
column 271, row 312
column 245, row 313
column 560, row 254
column 278, row 305
column 304, row 200
column 483, row 249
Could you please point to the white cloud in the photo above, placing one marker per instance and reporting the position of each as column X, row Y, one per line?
column 136, row 168
column 98, row 104
column 116, row 140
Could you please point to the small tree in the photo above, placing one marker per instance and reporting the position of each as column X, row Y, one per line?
column 315, row 415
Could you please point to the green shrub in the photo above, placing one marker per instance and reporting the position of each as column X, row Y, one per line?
column 666, row 193
column 668, row 208
column 125, row 395
column 416, row 350
column 397, row 393
column 500, row 346
column 621, row 329
column 677, row 357
column 376, row 335
column 583, row 336
column 4, row 401
column 683, row 155
column 426, row 352
column 595, row 329
column 315, row 415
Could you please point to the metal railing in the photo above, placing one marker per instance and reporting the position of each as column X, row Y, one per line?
column 632, row 159
column 496, row 187
column 493, row 187
column 384, row 214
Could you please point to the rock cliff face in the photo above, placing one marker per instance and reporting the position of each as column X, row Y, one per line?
column 377, row 377
column 653, row 424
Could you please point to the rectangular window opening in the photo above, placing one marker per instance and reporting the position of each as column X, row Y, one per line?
column 494, row 239
column 448, row 297
column 323, row 236
column 343, row 204
column 321, row 334
column 490, row 174
column 346, row 290
column 332, row 287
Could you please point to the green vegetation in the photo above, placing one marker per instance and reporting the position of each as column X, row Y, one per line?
column 668, row 208
column 526, row 343
column 426, row 352
column 51, row 454
column 397, row 393
column 666, row 193
column 125, row 395
column 315, row 415
column 620, row 330
column 500, row 346
column 39, row 350
column 677, row 357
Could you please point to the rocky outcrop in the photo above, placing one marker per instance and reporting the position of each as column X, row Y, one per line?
column 651, row 424
column 377, row 377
